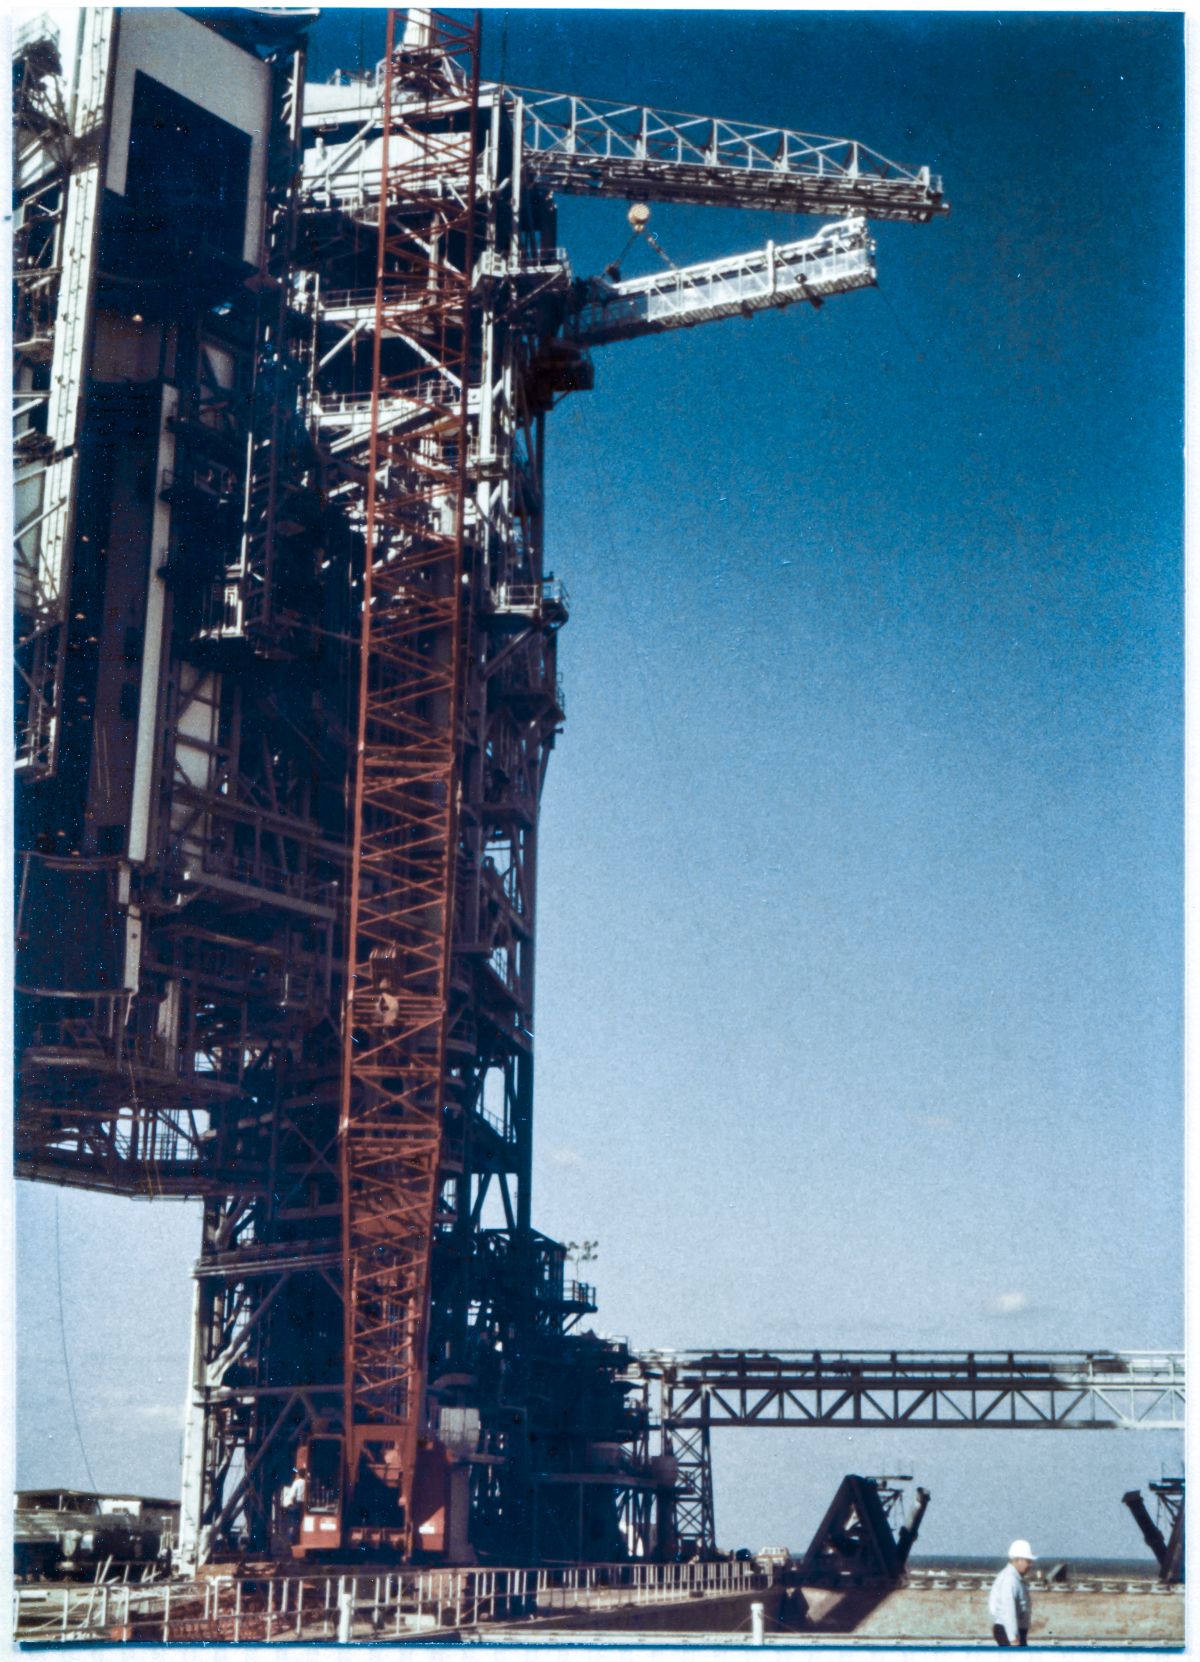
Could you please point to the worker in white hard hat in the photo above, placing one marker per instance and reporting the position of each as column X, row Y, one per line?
column 1009, row 1603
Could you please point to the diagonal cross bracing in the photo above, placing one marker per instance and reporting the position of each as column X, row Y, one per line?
column 1058, row 1390
column 405, row 807
column 594, row 147
column 836, row 261
column 700, row 1391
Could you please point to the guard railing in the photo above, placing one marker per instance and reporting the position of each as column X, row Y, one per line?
column 287, row 1607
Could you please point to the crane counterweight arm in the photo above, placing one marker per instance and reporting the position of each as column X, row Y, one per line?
column 590, row 147
column 837, row 260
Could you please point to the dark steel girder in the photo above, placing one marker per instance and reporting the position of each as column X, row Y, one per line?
column 731, row 187
column 1054, row 1390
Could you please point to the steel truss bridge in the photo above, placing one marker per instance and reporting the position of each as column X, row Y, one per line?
column 980, row 1390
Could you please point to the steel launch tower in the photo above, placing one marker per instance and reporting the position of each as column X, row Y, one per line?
column 287, row 692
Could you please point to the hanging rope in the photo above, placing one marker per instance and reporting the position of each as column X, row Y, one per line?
column 62, row 1330
column 613, row 269
column 660, row 250
column 639, row 215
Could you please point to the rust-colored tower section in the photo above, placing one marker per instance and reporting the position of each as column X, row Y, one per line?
column 414, row 620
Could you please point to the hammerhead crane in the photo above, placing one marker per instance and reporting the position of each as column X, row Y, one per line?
column 318, row 1014
column 300, row 974
column 476, row 326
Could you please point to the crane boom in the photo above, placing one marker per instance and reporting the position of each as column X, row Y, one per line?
column 835, row 261
column 591, row 147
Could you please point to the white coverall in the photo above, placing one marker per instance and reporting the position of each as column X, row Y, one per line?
column 1009, row 1603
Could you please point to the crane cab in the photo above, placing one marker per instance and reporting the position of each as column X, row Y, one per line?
column 321, row 1464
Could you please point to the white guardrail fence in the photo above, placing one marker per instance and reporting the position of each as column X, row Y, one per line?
column 243, row 1608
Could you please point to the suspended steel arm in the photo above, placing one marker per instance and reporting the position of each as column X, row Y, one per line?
column 836, row 261
column 594, row 148
column 1053, row 1390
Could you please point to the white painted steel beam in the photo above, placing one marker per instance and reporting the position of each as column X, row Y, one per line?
column 836, row 261
column 592, row 147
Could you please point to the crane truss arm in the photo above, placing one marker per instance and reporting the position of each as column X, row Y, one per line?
column 594, row 148
column 836, row 261
column 1055, row 1390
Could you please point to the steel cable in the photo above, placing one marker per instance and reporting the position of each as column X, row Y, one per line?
column 62, row 1330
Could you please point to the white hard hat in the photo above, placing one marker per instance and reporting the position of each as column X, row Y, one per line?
column 1022, row 1549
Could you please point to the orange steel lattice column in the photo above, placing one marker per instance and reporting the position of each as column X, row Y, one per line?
column 413, row 654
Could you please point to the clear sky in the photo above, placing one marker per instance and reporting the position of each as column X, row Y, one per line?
column 860, row 937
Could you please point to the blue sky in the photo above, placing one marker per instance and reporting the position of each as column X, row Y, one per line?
column 860, row 938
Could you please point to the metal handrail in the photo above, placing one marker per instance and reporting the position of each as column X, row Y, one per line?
column 402, row 1604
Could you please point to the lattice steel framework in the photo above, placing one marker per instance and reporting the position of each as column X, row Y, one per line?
column 600, row 148
column 695, row 1512
column 1054, row 1390
column 1049, row 1391
column 404, row 826
column 836, row 261
column 213, row 1068
column 57, row 173
column 206, row 925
